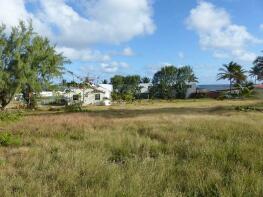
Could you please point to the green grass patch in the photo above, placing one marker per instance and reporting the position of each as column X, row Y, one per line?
column 7, row 139
column 10, row 116
column 248, row 108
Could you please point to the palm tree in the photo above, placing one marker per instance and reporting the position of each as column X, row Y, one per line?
column 232, row 72
column 255, row 72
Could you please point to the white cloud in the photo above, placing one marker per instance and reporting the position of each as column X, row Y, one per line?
column 84, row 54
column 100, row 21
column 12, row 11
column 218, row 33
column 261, row 27
column 113, row 67
column 103, row 21
column 127, row 51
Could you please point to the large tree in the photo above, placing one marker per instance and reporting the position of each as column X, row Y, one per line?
column 164, row 81
column 185, row 75
column 145, row 80
column 171, row 82
column 28, row 63
column 232, row 72
column 125, row 87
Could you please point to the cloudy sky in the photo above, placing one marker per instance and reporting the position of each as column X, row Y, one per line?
column 107, row 37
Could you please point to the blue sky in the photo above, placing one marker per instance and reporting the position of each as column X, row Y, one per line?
column 108, row 37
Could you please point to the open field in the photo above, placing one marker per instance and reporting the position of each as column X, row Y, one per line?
column 179, row 148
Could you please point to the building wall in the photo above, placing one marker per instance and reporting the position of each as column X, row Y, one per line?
column 191, row 90
column 145, row 89
column 88, row 96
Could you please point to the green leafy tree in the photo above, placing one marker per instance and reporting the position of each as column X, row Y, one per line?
column 185, row 75
column 125, row 87
column 28, row 63
column 164, row 82
column 171, row 82
column 246, row 88
column 145, row 80
column 232, row 72
column 118, row 84
column 105, row 81
column 44, row 64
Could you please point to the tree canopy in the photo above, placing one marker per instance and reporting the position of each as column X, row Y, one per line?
column 28, row 63
column 125, row 87
column 171, row 82
column 145, row 80
column 232, row 72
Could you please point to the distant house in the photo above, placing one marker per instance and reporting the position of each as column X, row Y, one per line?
column 259, row 86
column 259, row 89
column 45, row 94
column 94, row 95
column 191, row 89
column 145, row 90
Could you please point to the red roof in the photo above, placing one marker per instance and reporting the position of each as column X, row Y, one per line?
column 260, row 86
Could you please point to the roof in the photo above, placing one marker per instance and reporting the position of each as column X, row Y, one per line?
column 145, row 87
column 107, row 87
column 260, row 86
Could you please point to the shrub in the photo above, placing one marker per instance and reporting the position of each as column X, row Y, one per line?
column 249, row 108
column 7, row 139
column 10, row 116
column 75, row 107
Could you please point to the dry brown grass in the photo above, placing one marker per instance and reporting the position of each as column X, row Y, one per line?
column 182, row 148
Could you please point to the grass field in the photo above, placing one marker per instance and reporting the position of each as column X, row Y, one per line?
column 179, row 148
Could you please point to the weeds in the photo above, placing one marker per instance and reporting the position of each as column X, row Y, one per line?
column 7, row 139
column 163, row 149
column 10, row 116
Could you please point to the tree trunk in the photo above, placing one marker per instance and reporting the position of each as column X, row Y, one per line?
column 5, row 102
column 230, row 86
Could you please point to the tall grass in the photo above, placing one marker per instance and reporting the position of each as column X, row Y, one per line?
column 137, row 151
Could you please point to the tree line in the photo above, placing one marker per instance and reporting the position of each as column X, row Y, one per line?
column 171, row 82
column 167, row 83
column 29, row 63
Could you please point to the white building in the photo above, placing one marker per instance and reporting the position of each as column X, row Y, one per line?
column 94, row 95
column 191, row 89
column 145, row 89
column 45, row 94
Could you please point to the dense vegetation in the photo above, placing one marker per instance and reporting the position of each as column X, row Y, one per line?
column 28, row 63
column 181, row 148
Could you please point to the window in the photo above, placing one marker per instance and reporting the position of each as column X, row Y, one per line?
column 76, row 97
column 97, row 97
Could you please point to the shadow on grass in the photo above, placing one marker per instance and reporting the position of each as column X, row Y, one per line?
column 130, row 113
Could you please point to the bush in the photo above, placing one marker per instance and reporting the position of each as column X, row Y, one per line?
column 128, row 96
column 228, row 95
column 249, row 108
column 75, row 107
column 10, row 116
column 7, row 139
